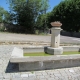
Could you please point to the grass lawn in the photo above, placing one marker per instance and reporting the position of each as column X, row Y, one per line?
column 44, row 54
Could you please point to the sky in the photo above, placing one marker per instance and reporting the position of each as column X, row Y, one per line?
column 52, row 3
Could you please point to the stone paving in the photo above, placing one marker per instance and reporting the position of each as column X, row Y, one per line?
column 9, row 71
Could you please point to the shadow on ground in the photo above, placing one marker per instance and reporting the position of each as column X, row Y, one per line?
column 12, row 67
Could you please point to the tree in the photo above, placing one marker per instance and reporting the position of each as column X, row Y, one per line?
column 40, row 23
column 26, row 12
column 4, row 15
column 44, row 8
column 68, row 12
column 1, row 14
column 7, row 17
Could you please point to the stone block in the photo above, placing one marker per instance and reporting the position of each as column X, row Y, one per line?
column 31, row 66
column 54, row 51
column 48, row 62
column 31, row 63
column 17, row 52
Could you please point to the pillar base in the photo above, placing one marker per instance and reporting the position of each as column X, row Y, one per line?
column 53, row 51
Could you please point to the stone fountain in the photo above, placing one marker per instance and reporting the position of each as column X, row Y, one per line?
column 55, row 40
column 31, row 63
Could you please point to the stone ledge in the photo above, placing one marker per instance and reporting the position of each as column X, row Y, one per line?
column 41, row 48
column 43, row 62
column 48, row 62
column 17, row 52
column 44, row 58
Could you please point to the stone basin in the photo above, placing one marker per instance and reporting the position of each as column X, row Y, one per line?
column 56, row 24
column 30, row 63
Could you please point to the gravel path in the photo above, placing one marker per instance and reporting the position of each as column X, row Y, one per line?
column 12, row 37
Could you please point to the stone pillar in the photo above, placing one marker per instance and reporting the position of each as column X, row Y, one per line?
column 55, row 37
column 55, row 40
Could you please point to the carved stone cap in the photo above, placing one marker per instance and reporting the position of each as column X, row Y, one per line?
column 56, row 24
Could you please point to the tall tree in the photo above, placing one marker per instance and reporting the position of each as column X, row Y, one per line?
column 4, row 15
column 41, row 22
column 68, row 12
column 7, row 17
column 1, row 14
column 26, row 12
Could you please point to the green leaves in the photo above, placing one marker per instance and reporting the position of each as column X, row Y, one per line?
column 68, row 12
column 4, row 15
column 1, row 14
column 25, row 12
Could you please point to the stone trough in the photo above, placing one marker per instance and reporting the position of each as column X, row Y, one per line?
column 30, row 63
column 46, row 62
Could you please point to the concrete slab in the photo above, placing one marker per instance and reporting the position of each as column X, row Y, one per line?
column 17, row 52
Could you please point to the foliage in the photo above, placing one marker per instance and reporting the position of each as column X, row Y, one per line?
column 25, row 12
column 68, row 12
column 1, row 14
column 43, row 22
column 7, row 17
column 4, row 15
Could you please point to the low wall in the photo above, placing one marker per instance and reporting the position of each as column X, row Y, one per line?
column 49, row 62
column 30, row 63
column 41, row 49
column 71, row 34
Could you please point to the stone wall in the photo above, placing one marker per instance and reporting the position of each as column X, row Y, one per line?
column 71, row 34
column 10, row 27
column 5, row 26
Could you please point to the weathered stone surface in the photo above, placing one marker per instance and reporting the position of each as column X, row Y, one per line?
column 55, row 37
column 17, row 52
column 43, row 49
column 44, row 62
column 49, row 62
column 30, row 66
column 33, row 49
column 54, row 51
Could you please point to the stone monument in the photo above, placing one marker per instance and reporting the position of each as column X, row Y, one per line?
column 55, row 39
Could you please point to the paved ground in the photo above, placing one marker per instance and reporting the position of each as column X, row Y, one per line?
column 9, row 71
column 38, row 38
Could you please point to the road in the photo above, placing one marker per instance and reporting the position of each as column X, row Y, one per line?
column 37, row 38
